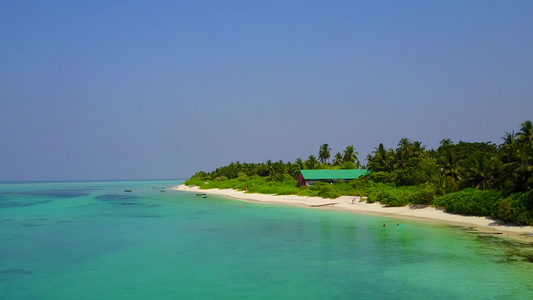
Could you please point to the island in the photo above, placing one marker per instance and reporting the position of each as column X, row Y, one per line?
column 478, row 184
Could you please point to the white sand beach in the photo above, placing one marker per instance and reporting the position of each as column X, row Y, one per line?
column 356, row 205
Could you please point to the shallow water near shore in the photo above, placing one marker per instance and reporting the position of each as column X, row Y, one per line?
column 92, row 240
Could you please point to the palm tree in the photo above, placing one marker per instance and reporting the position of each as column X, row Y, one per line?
column 299, row 163
column 405, row 146
column 324, row 153
column 400, row 158
column 446, row 143
column 418, row 149
column 403, row 152
column 510, row 149
column 382, row 161
column 526, row 168
column 449, row 166
column 270, row 168
column 509, row 138
column 481, row 170
column 337, row 161
column 442, row 184
column 351, row 155
column 311, row 162
column 517, row 167
column 525, row 135
column 516, row 155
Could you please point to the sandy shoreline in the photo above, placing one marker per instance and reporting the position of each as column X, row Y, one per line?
column 426, row 214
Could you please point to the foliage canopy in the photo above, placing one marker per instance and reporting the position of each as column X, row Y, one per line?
column 479, row 178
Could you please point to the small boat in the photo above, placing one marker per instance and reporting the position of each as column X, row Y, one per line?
column 127, row 191
column 202, row 195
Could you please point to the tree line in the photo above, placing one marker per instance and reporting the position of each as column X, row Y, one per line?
column 452, row 167
column 279, row 171
column 475, row 178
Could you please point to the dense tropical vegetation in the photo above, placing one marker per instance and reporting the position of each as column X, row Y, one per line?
column 466, row 178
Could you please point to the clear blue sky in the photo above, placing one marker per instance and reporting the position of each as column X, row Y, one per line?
column 163, row 89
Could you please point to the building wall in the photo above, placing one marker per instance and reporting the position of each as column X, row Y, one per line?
column 301, row 180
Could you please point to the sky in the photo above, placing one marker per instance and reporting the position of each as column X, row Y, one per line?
column 112, row 90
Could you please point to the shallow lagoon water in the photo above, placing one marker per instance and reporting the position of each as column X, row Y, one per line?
column 91, row 240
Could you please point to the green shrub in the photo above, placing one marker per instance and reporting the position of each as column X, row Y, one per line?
column 390, row 195
column 194, row 181
column 347, row 165
column 470, row 202
column 515, row 209
column 364, row 186
column 325, row 190
column 382, row 177
column 287, row 190
column 505, row 210
column 344, row 188
column 330, row 192
column 417, row 170
column 399, row 198
column 425, row 194
column 242, row 177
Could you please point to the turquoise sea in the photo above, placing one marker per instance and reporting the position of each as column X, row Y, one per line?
column 92, row 240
